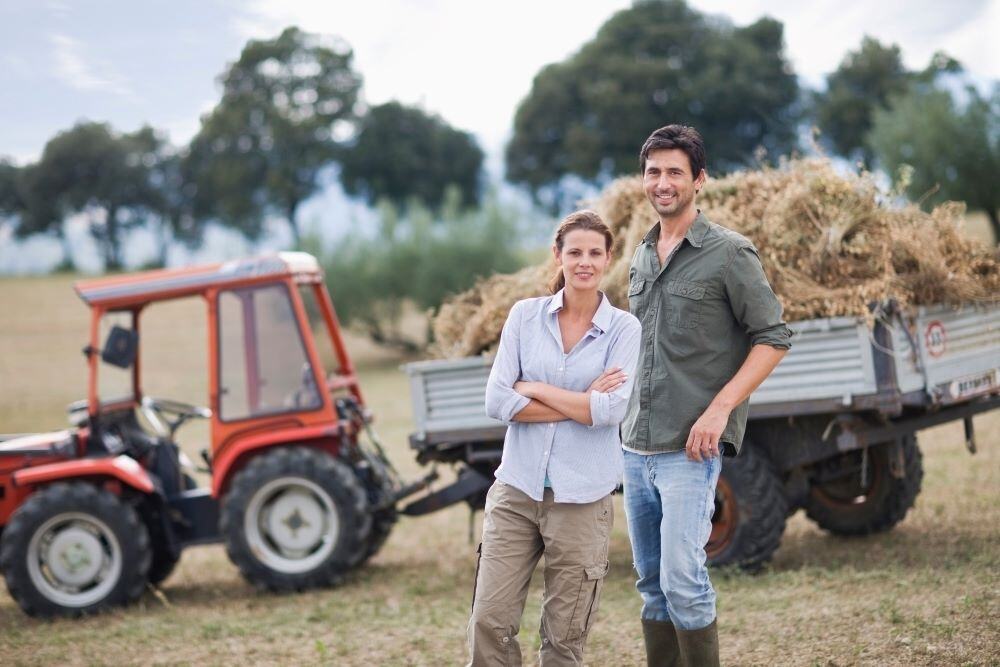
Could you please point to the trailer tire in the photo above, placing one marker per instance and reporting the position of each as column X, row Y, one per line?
column 844, row 507
column 294, row 518
column 73, row 549
column 750, row 511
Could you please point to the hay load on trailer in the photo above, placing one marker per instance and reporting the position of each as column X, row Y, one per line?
column 832, row 245
column 896, row 316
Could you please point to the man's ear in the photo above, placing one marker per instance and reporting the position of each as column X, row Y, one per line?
column 699, row 182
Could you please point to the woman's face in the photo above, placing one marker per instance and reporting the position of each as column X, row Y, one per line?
column 583, row 259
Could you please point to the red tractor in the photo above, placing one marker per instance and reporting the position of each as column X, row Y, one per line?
column 299, row 494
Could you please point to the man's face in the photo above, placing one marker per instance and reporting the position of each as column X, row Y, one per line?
column 669, row 184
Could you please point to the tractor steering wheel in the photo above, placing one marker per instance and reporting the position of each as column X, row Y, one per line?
column 155, row 410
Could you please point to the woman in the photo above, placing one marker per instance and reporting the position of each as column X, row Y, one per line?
column 561, row 380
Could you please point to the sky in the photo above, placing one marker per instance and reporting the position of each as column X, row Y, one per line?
column 131, row 63
column 469, row 61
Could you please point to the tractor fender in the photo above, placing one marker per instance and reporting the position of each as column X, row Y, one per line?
column 231, row 458
column 122, row 468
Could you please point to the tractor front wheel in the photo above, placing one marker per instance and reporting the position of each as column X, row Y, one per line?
column 73, row 548
column 295, row 518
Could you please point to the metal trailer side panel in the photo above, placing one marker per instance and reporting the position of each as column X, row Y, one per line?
column 956, row 355
column 830, row 358
column 830, row 363
column 450, row 395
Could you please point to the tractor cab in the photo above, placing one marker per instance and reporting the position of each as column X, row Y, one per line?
column 300, row 489
column 263, row 372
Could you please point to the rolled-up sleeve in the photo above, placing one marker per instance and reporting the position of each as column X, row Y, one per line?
column 608, row 409
column 502, row 402
column 754, row 303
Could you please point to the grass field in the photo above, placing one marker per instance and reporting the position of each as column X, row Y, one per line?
column 927, row 593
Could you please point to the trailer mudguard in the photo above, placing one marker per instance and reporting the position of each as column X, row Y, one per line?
column 122, row 468
column 224, row 464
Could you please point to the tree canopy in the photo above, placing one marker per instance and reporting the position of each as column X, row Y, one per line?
column 655, row 63
column 403, row 153
column 91, row 170
column 863, row 82
column 953, row 150
column 418, row 258
column 286, row 105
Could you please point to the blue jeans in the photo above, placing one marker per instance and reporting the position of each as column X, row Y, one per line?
column 669, row 502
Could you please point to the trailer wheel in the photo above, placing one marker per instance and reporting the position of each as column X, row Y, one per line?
column 294, row 518
column 72, row 549
column 843, row 506
column 750, row 511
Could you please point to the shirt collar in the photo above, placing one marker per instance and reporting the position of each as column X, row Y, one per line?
column 602, row 318
column 695, row 233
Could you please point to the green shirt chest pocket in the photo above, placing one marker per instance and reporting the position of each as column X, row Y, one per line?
column 637, row 294
column 685, row 301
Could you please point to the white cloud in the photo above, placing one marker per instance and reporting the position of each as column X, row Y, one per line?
column 73, row 69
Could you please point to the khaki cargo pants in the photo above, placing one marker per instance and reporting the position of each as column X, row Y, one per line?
column 516, row 532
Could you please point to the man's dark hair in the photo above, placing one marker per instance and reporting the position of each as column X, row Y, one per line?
column 682, row 137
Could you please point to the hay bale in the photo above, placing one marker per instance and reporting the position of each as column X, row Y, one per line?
column 830, row 243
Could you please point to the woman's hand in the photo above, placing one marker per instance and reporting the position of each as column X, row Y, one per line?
column 525, row 388
column 607, row 381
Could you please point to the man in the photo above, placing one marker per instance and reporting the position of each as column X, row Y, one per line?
column 711, row 333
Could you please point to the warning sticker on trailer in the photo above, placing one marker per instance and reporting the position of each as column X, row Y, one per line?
column 935, row 339
column 971, row 385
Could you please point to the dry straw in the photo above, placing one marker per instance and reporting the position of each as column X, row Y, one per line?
column 829, row 242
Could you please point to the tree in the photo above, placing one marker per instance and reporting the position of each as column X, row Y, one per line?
column 420, row 260
column 285, row 105
column 403, row 153
column 11, row 202
column 92, row 170
column 656, row 63
column 863, row 82
column 954, row 152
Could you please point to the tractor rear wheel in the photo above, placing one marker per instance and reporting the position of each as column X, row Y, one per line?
column 844, row 506
column 295, row 518
column 750, row 511
column 72, row 549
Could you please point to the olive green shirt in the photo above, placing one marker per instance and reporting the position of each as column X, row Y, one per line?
column 701, row 312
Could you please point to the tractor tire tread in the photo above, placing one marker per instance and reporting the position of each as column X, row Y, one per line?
column 75, row 497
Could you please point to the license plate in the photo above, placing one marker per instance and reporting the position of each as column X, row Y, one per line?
column 972, row 385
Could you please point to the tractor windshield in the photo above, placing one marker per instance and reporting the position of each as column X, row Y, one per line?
column 263, row 365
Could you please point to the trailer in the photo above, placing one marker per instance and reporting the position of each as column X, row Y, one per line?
column 833, row 430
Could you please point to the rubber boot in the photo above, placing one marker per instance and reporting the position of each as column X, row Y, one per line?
column 699, row 648
column 662, row 649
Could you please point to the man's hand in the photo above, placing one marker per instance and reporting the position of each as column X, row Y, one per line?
column 608, row 381
column 703, row 441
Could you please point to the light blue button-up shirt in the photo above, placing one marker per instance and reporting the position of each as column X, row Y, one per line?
column 583, row 463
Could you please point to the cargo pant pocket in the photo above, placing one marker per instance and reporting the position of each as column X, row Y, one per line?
column 588, row 600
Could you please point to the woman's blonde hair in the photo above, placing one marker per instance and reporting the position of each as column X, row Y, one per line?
column 586, row 220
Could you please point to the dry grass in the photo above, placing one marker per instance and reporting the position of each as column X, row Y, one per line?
column 928, row 593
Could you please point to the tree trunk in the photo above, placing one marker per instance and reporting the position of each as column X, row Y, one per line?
column 165, row 238
column 994, row 223
column 296, row 233
column 67, row 263
column 112, row 255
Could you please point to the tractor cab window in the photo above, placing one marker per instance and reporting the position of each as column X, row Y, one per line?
column 114, row 376
column 263, row 366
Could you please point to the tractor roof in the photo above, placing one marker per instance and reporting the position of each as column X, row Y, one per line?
column 134, row 289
